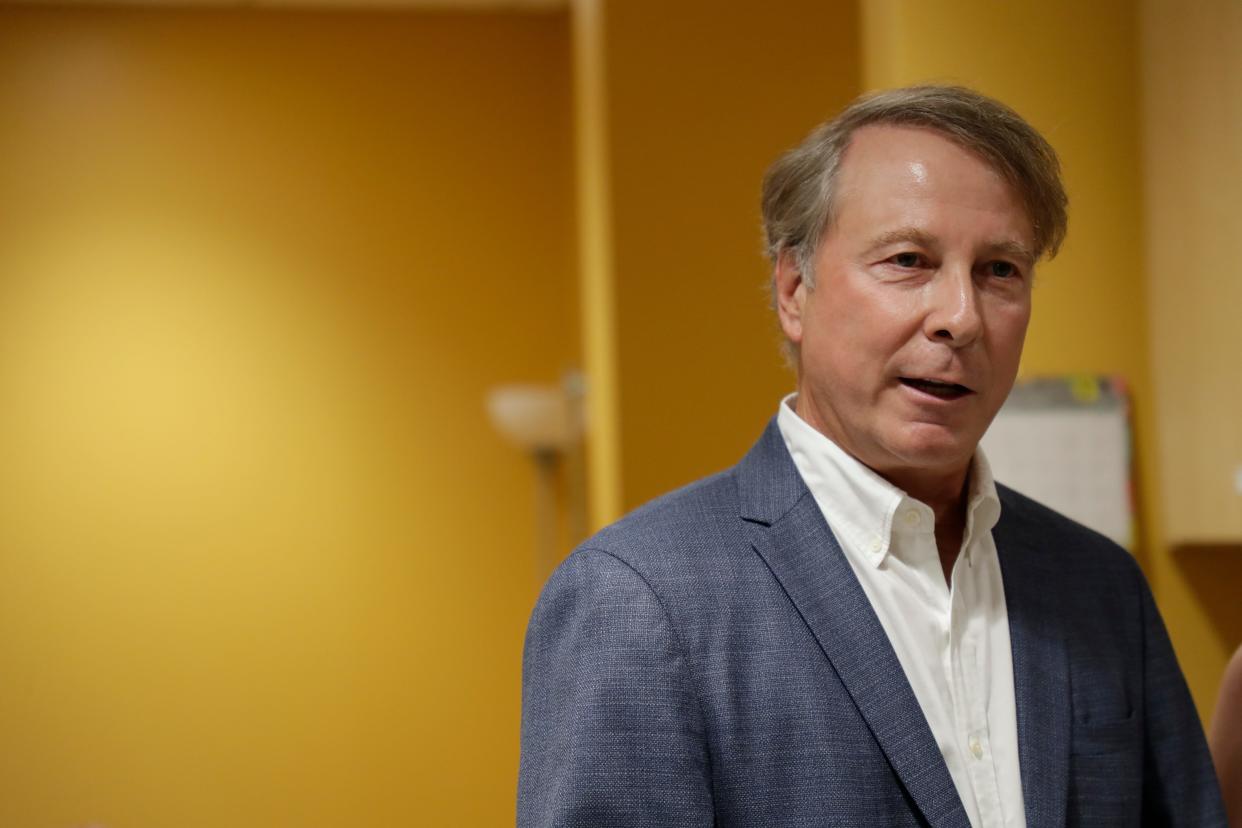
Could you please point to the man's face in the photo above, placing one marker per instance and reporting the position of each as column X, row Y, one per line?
column 910, row 340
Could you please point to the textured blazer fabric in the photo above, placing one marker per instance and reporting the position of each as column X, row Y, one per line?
column 712, row 660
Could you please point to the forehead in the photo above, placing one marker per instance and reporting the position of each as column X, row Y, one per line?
column 892, row 145
column 896, row 169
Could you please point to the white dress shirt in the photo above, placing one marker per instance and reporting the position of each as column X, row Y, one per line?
column 952, row 639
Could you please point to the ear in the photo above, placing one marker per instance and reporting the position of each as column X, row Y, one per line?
column 790, row 292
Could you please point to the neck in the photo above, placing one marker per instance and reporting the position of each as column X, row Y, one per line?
column 944, row 492
column 946, row 495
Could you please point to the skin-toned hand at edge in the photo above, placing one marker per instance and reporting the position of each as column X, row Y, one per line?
column 1225, row 738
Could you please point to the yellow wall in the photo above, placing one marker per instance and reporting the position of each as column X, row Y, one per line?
column 258, row 270
column 703, row 96
column 263, row 562
column 1072, row 69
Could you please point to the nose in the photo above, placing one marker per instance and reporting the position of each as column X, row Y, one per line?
column 953, row 315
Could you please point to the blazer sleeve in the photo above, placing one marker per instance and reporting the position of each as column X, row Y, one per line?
column 612, row 729
column 1180, row 786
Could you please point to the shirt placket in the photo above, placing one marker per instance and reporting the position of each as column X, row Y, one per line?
column 970, row 705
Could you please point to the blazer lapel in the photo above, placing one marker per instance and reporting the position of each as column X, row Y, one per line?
column 1040, row 669
column 788, row 530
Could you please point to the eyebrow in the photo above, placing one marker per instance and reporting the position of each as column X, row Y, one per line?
column 907, row 235
column 1014, row 249
column 916, row 236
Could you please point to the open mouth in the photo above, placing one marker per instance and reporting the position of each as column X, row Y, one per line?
column 942, row 390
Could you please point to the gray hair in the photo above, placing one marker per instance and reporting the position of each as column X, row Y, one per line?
column 798, row 188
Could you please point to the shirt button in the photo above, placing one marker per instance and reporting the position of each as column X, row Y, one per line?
column 976, row 749
column 876, row 546
column 911, row 518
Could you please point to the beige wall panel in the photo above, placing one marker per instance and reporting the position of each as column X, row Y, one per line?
column 1192, row 81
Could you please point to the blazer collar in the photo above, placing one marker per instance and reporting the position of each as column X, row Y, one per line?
column 1037, row 636
column 768, row 482
column 787, row 529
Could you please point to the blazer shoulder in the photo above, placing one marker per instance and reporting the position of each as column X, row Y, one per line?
column 1071, row 546
column 681, row 525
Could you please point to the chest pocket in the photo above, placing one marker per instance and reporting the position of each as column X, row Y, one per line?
column 1106, row 772
column 1096, row 738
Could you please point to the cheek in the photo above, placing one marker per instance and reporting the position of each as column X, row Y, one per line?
column 873, row 317
column 849, row 362
column 855, row 329
column 1008, row 329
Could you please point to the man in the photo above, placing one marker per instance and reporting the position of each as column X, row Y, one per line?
column 855, row 626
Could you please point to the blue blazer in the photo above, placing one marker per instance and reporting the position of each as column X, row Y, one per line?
column 712, row 660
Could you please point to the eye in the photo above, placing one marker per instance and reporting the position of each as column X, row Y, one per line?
column 906, row 259
column 1002, row 270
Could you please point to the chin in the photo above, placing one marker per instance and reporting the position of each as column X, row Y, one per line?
column 935, row 452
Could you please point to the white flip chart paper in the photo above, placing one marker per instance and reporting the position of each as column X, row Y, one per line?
column 1066, row 443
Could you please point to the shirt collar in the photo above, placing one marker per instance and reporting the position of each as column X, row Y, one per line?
column 864, row 509
column 983, row 506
